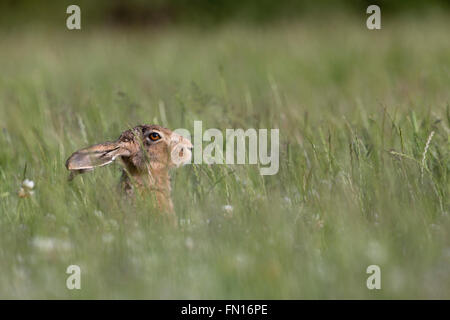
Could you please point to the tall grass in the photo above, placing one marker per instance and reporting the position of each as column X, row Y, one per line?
column 364, row 123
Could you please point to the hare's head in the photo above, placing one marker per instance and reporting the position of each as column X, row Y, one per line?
column 142, row 148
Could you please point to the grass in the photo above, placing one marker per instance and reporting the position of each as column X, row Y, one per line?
column 361, row 181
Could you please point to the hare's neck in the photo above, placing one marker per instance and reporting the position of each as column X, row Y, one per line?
column 159, row 185
column 157, row 179
column 156, row 183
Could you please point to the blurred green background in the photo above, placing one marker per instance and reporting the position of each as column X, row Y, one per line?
column 199, row 12
column 364, row 122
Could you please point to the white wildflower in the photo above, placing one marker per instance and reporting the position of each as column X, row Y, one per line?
column 98, row 214
column 228, row 210
column 27, row 189
column 28, row 184
column 50, row 244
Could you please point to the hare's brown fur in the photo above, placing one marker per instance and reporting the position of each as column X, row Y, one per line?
column 147, row 152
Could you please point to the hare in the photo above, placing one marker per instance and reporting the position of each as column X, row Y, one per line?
column 147, row 152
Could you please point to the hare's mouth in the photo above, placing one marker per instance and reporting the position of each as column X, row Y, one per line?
column 181, row 152
column 181, row 155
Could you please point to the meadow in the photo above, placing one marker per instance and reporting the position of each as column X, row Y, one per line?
column 364, row 121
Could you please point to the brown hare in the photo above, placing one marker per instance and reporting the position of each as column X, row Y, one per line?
column 147, row 153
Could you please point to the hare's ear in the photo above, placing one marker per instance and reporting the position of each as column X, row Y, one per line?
column 95, row 156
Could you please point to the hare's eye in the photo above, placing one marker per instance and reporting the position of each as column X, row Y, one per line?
column 154, row 136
